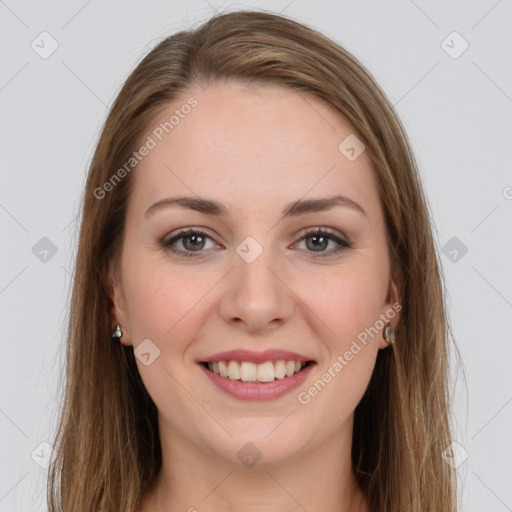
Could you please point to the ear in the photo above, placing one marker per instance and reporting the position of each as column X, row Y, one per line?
column 391, row 312
column 118, row 309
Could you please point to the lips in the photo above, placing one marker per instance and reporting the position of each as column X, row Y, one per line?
column 257, row 391
column 252, row 375
column 272, row 355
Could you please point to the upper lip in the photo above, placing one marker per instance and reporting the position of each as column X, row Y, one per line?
column 255, row 357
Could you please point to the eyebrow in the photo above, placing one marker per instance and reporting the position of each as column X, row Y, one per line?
column 293, row 209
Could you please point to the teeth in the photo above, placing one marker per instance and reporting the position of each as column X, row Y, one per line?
column 251, row 372
column 234, row 370
column 279, row 369
column 265, row 371
column 223, row 368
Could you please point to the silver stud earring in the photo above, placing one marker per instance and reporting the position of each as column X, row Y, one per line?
column 117, row 333
column 390, row 334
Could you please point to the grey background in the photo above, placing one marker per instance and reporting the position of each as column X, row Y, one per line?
column 457, row 112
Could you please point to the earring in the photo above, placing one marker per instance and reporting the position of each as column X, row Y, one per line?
column 390, row 334
column 117, row 333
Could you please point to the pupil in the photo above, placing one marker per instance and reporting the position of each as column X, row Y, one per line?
column 315, row 240
column 194, row 239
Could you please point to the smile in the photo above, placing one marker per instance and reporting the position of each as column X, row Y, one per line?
column 251, row 372
column 273, row 384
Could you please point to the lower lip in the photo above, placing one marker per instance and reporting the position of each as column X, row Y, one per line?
column 258, row 390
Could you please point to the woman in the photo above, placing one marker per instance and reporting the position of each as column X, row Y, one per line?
column 256, row 237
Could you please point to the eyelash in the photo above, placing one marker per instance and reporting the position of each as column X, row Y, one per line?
column 308, row 232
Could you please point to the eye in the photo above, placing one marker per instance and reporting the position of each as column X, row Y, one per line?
column 320, row 238
column 192, row 240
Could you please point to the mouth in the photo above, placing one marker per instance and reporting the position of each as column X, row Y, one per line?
column 266, row 372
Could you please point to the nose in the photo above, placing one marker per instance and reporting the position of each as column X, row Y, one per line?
column 256, row 296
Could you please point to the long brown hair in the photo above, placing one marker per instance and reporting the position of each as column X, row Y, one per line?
column 107, row 442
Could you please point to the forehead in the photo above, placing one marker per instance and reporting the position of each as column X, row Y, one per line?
column 250, row 143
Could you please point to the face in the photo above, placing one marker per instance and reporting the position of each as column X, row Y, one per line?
column 257, row 276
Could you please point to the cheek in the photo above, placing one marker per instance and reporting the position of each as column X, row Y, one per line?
column 348, row 302
column 163, row 302
column 349, row 305
column 164, row 306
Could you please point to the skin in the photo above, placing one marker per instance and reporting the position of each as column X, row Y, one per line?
column 254, row 149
